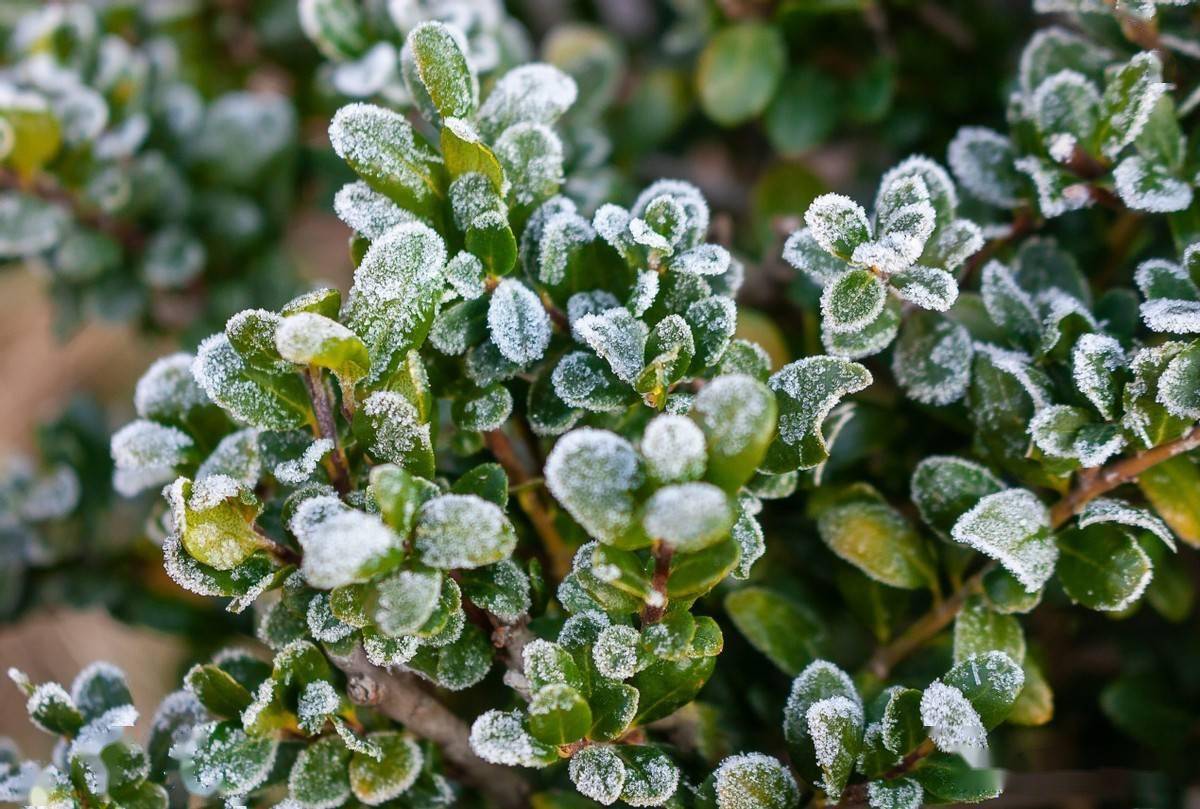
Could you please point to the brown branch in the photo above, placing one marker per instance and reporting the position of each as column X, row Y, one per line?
column 337, row 466
column 1089, row 488
column 531, row 500
column 400, row 697
column 653, row 613
column 856, row 794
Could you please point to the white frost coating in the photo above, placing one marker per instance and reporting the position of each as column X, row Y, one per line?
column 1094, row 359
column 1065, row 103
column 732, row 405
column 611, row 222
column 500, row 737
column 364, row 134
column 338, row 546
column 1173, row 316
column 935, row 368
column 952, row 721
column 673, row 448
column 1008, row 305
column 145, row 454
column 1056, row 194
column 815, row 401
column 297, row 471
column 591, row 473
column 820, row 716
column 1012, row 527
column 1019, row 367
column 645, row 291
column 579, row 383
column 367, row 211
column 43, row 698
column 652, row 782
column 1107, row 509
column 466, row 272
column 618, row 338
column 598, row 773
column 385, row 651
column 1145, row 186
column 517, row 322
column 301, row 337
column 687, row 516
column 837, row 223
column 802, row 252
column 541, row 661
column 167, row 388
column 903, row 793
column 532, row 156
column 820, row 679
column 739, row 780
column 939, row 188
column 1127, row 117
column 926, row 287
column 845, row 307
column 706, row 259
column 533, row 93
column 685, row 194
column 462, row 531
column 616, row 651
column 236, row 456
column 317, row 702
column 398, row 430
column 957, row 242
column 593, row 302
column 560, row 236
column 218, row 369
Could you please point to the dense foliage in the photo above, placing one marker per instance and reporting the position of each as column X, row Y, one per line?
column 535, row 513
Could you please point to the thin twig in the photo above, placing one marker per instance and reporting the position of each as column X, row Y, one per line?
column 400, row 697
column 1089, row 488
column 326, row 427
column 653, row 613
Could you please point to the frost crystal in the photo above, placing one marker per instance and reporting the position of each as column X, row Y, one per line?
column 145, row 455
column 1012, row 527
column 1107, row 509
column 462, row 531
column 616, row 652
column 297, row 471
column 500, row 737
column 591, row 472
column 398, row 430
column 903, row 793
column 517, row 322
column 339, row 543
column 824, row 718
column 752, row 781
column 688, row 516
column 837, row 223
column 367, row 211
column 673, row 447
column 952, row 721
column 618, row 338
column 167, row 389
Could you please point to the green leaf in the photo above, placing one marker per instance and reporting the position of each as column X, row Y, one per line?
column 739, row 70
column 214, row 519
column 666, row 686
column 806, row 391
column 222, row 695
column 598, row 773
column 838, row 224
column 230, row 761
column 852, row 300
column 53, row 710
column 990, row 681
column 1005, row 594
column 1130, row 94
column 1035, row 705
column 651, row 775
column 737, row 414
column 614, row 706
column 399, row 495
column 490, row 238
column 558, row 715
column 28, row 225
column 465, row 153
column 836, row 726
column 407, row 600
column 593, row 474
column 945, row 487
column 871, row 535
column 932, row 359
column 321, row 775
column 786, row 632
column 377, row 780
column 437, row 73
column 688, row 516
column 977, row 629
column 1012, row 527
column 903, row 730
column 336, row 27
column 382, row 148
column 820, row 680
column 311, row 339
column 803, row 112
column 694, row 574
column 1103, row 567
column 260, row 398
column 1142, row 705
column 947, row 777
column 749, row 781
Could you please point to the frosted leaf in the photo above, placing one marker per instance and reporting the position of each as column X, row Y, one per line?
column 583, row 380
column 982, row 162
column 472, row 195
column 935, row 186
column 645, row 291
column 1147, row 186
column 145, row 454
column 873, row 338
column 1009, row 307
column 465, row 272
column 674, row 449
column 28, row 225
column 544, row 662
column 501, row 738
column 932, row 359
column 593, row 474
column 317, row 702
column 340, row 544
column 851, row 301
column 1179, row 384
column 926, row 287
column 45, row 699
column 381, row 146
column 955, row 243
column 484, row 412
column 688, row 516
column 1094, row 361
column 828, row 721
column 220, row 371
column 1066, row 103
column 1129, row 97
column 534, row 93
column 616, row 652
column 1019, row 367
column 172, row 258
column 598, row 773
column 748, row 534
column 814, row 385
column 896, row 793
column 611, row 223
column 687, row 195
column 1159, row 279
column 754, row 781
column 1173, row 316
column 462, row 531
column 582, row 629
column 561, row 235
column 1012, row 527
column 236, row 456
column 819, row 680
column 1055, row 48
column 517, row 322
column 319, row 778
column 532, row 158
column 407, row 600
column 1107, row 509
column 51, row 496
column 367, row 211
column 618, row 338
column 1057, row 192
column 952, row 721
column 370, row 74
column 651, row 777
column 837, row 223
column 665, row 224
column 594, row 302
column 802, row 252
column 299, row 470
column 434, row 63
column 323, row 624
column 384, row 651
column 1062, row 431
column 167, row 389
column 905, row 233
column 397, row 431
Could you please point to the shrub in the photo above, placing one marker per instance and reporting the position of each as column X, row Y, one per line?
column 493, row 511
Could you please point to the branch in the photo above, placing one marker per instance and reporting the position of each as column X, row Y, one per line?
column 1089, row 488
column 653, row 613
column 400, row 697
column 856, row 794
column 531, row 501
column 326, row 427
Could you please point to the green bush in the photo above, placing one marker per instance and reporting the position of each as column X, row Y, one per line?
column 530, row 517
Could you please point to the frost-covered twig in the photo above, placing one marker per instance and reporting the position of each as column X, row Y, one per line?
column 401, row 698
column 339, row 468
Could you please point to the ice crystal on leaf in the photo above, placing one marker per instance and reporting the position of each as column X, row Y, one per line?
column 1012, row 527
column 952, row 721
